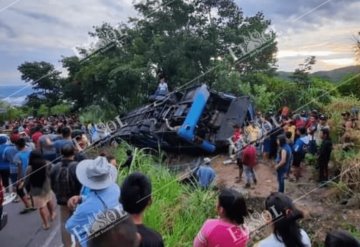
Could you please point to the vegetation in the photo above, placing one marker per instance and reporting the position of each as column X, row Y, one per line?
column 301, row 74
column 173, row 205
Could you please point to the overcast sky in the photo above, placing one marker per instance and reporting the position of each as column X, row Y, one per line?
column 36, row 30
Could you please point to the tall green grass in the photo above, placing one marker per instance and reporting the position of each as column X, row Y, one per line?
column 177, row 211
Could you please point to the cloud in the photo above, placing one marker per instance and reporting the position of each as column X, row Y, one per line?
column 44, row 30
column 340, row 61
column 9, row 31
column 60, row 24
column 304, row 53
column 41, row 17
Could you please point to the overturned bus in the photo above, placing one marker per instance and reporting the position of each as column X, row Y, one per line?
column 194, row 120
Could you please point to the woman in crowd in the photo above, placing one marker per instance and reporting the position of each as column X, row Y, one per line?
column 284, row 216
column 284, row 161
column 39, row 180
column 229, row 229
column 340, row 238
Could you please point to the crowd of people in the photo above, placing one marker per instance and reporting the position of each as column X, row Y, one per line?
column 98, row 212
column 283, row 140
column 38, row 156
column 44, row 159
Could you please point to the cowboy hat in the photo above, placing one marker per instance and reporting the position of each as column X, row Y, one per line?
column 96, row 174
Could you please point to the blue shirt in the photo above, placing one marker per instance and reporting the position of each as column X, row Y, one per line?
column 22, row 158
column 48, row 149
column 205, row 176
column 95, row 203
column 59, row 144
column 299, row 144
column 288, row 150
column 7, row 153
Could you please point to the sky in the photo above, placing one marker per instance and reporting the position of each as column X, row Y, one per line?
column 46, row 30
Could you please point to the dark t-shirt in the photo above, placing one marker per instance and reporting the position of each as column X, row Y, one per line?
column 59, row 145
column 149, row 237
column 325, row 151
column 73, row 186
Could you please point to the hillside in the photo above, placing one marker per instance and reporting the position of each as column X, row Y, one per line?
column 332, row 75
column 337, row 74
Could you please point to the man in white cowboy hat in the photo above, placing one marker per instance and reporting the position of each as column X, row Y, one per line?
column 205, row 174
column 99, row 176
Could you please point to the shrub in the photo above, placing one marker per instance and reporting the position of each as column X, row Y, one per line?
column 60, row 109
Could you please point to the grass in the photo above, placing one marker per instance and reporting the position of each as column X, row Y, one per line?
column 177, row 211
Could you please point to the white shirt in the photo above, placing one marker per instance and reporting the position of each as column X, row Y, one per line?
column 317, row 132
column 163, row 86
column 272, row 241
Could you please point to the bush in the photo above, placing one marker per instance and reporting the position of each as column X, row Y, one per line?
column 43, row 111
column 310, row 159
column 60, row 109
column 92, row 114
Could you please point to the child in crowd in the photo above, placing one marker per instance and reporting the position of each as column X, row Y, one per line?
column 229, row 229
column 284, row 216
column 120, row 232
column 136, row 198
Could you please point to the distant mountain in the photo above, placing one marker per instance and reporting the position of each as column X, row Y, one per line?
column 284, row 75
column 337, row 74
column 334, row 75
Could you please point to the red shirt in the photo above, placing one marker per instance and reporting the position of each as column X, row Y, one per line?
column 14, row 137
column 299, row 123
column 35, row 137
column 236, row 136
column 249, row 156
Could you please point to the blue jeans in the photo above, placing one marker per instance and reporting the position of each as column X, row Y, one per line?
column 249, row 173
column 281, row 179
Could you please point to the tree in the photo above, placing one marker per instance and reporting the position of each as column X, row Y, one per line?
column 60, row 109
column 188, row 41
column 9, row 112
column 179, row 38
column 350, row 86
column 45, row 81
column 71, row 86
column 43, row 111
column 301, row 74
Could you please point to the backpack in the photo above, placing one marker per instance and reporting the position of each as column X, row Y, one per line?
column 64, row 184
column 305, row 148
column 312, row 146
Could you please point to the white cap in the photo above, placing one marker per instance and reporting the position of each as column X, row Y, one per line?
column 207, row 160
